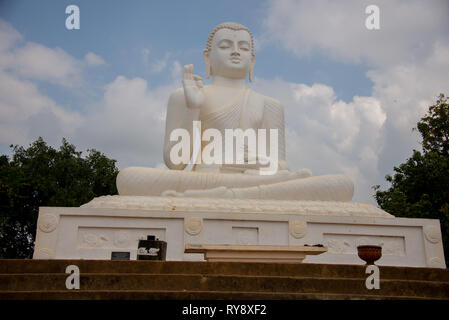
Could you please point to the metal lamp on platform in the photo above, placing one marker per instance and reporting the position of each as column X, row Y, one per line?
column 151, row 249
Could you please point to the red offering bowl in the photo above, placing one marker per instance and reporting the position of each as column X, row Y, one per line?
column 369, row 253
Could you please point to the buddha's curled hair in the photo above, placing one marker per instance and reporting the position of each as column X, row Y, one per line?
column 228, row 25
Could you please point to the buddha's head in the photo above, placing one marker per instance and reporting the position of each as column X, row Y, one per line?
column 230, row 52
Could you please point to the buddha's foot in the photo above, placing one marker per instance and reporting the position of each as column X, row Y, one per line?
column 220, row 192
column 300, row 174
column 172, row 193
column 303, row 173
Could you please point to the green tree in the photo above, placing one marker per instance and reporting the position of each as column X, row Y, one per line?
column 420, row 186
column 434, row 128
column 43, row 176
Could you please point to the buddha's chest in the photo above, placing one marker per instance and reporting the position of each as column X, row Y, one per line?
column 250, row 106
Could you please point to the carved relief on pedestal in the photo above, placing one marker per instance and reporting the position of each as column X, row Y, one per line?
column 193, row 225
column 340, row 246
column 45, row 253
column 48, row 222
column 297, row 228
column 347, row 244
column 392, row 248
column 92, row 240
column 435, row 262
column 432, row 234
column 121, row 239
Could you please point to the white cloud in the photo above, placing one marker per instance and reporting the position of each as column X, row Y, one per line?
column 128, row 123
column 145, row 54
column 161, row 64
column 337, row 29
column 407, row 89
column 26, row 113
column 328, row 135
column 8, row 36
column 93, row 60
column 409, row 63
column 35, row 61
column 176, row 73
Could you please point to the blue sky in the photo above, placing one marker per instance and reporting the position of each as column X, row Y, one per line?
column 118, row 33
column 351, row 95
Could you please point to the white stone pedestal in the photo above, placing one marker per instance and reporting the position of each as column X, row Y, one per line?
column 115, row 223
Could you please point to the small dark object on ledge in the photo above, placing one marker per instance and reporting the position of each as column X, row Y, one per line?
column 115, row 255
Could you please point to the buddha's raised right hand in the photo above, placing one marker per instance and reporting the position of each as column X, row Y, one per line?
column 193, row 88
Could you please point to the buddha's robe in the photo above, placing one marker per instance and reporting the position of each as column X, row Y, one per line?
column 248, row 110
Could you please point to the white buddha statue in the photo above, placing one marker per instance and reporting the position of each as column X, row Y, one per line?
column 228, row 104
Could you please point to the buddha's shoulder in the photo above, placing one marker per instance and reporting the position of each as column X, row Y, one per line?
column 176, row 99
column 256, row 98
column 177, row 94
column 265, row 100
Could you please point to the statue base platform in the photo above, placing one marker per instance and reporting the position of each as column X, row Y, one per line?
column 116, row 223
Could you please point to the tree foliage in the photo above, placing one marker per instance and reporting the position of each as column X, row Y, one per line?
column 434, row 127
column 43, row 176
column 420, row 186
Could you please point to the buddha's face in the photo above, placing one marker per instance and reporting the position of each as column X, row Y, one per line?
column 230, row 55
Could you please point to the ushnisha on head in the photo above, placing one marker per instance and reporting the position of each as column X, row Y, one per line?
column 230, row 51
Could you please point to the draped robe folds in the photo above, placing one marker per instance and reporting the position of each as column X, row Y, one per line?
column 284, row 185
column 237, row 115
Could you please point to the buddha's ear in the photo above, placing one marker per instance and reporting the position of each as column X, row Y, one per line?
column 207, row 62
column 251, row 70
